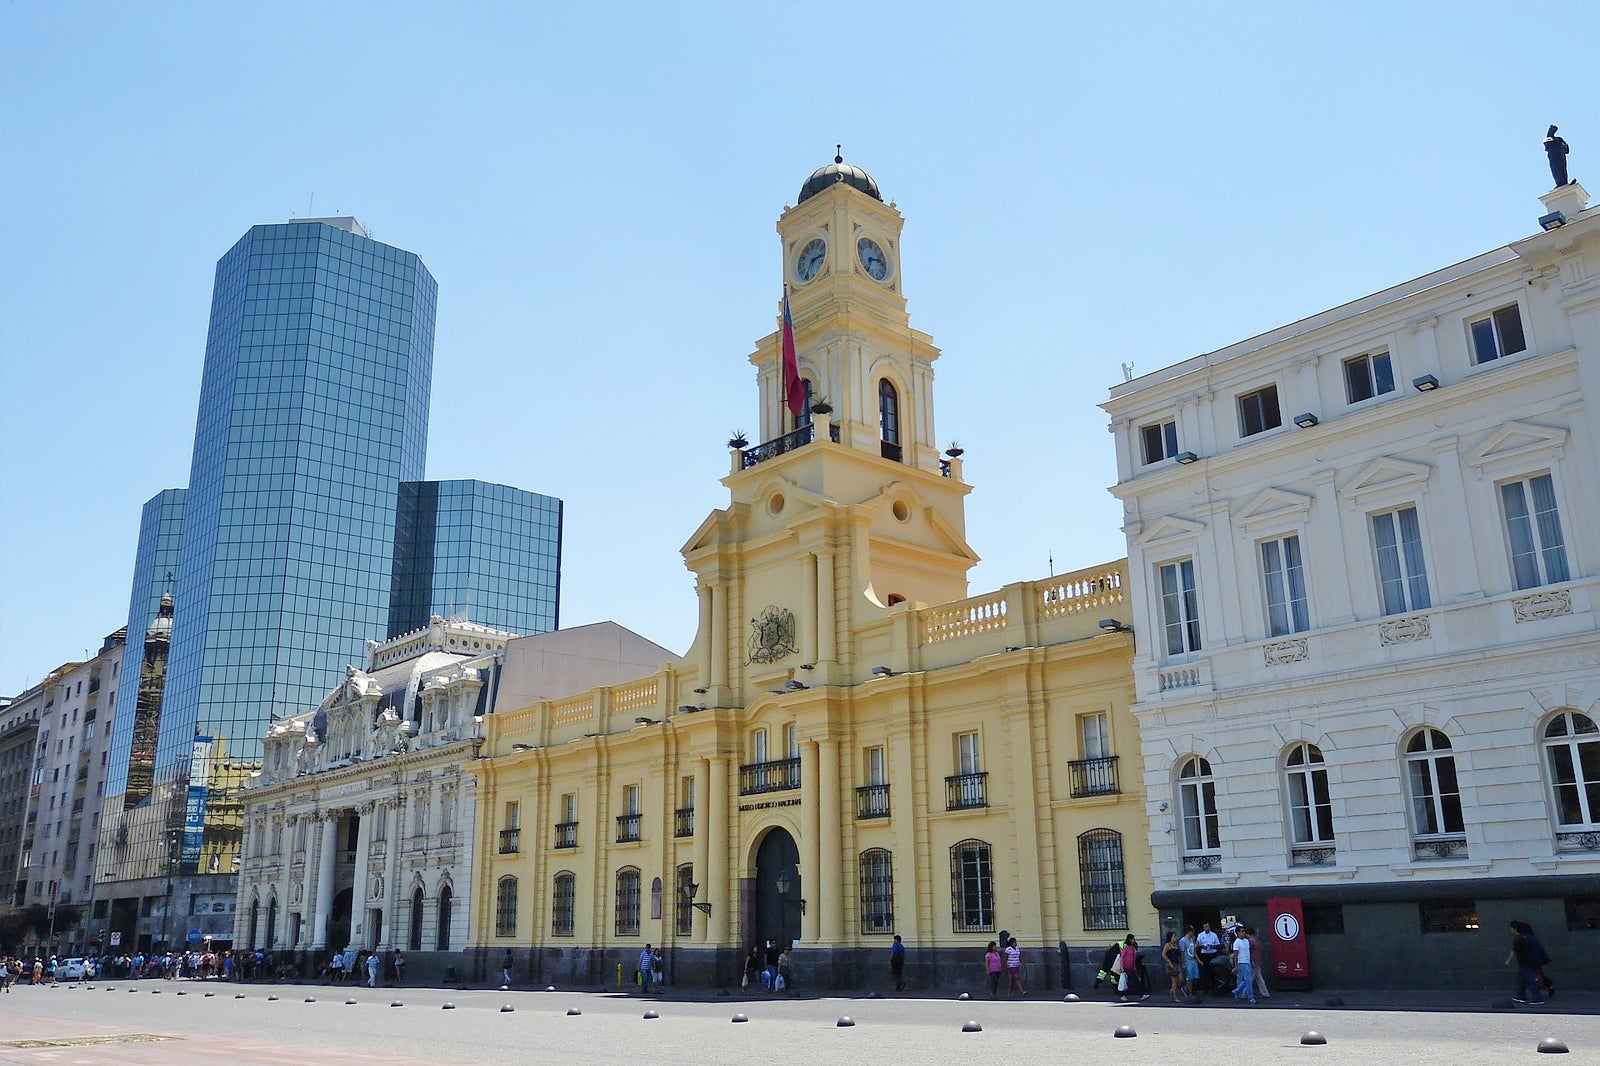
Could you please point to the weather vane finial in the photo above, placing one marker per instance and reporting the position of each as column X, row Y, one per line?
column 838, row 153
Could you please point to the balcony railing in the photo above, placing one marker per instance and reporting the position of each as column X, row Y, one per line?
column 1454, row 847
column 963, row 792
column 1093, row 777
column 566, row 834
column 779, row 775
column 1312, row 855
column 510, row 841
column 889, row 451
column 627, row 828
column 872, row 801
column 777, row 446
column 683, row 822
column 1202, row 863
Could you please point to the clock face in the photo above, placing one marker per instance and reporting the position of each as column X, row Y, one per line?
column 873, row 259
column 809, row 263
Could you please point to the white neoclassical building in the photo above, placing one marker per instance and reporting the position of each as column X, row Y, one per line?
column 359, row 826
column 1364, row 553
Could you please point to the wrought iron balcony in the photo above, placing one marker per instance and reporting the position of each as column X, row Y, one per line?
column 566, row 834
column 777, row 446
column 1201, row 864
column 1581, row 840
column 1093, row 777
column 963, row 792
column 779, row 775
column 510, row 841
column 1439, row 848
column 683, row 822
column 627, row 828
column 872, row 801
column 1312, row 855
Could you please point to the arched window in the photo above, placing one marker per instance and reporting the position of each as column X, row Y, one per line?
column 877, row 891
column 1197, row 804
column 804, row 418
column 270, row 940
column 971, row 888
column 441, row 938
column 683, row 898
column 505, row 907
column 255, row 916
column 1305, row 776
column 418, row 901
column 889, row 419
column 627, row 923
column 1572, row 752
column 1436, row 823
column 562, row 903
column 655, row 900
column 1101, row 878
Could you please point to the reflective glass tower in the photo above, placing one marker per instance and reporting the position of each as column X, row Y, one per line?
column 492, row 552
column 313, row 410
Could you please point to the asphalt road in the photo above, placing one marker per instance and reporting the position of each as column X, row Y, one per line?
column 256, row 1031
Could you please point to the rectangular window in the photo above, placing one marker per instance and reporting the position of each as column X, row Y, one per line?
column 877, row 768
column 686, row 791
column 562, row 905
column 791, row 741
column 1102, row 880
column 1284, row 575
column 971, row 888
column 513, row 815
column 1160, row 441
column 1094, row 736
column 1366, row 376
column 505, row 907
column 1497, row 334
column 1583, row 913
column 1448, row 916
column 569, row 807
column 968, row 759
column 630, row 799
column 1258, row 411
column 758, row 746
column 877, row 892
column 1324, row 919
column 1180, row 607
column 1533, row 525
column 1402, row 573
column 683, row 913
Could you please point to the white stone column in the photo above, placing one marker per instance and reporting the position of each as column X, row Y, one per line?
column 1332, row 583
column 1459, row 578
column 359, row 933
column 324, row 879
column 830, row 892
column 285, row 883
column 706, row 637
column 718, row 635
column 391, row 874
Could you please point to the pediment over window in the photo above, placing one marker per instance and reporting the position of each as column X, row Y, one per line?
column 1169, row 530
column 1387, row 474
column 1516, row 441
column 1271, row 506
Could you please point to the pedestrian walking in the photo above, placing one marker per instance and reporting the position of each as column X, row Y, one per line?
column 897, row 963
column 1244, row 985
column 399, row 967
column 372, row 970
column 1014, row 968
column 1525, row 957
column 647, row 965
column 993, row 964
column 505, row 969
column 1172, row 959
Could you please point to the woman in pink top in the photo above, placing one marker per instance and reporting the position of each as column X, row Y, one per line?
column 991, row 962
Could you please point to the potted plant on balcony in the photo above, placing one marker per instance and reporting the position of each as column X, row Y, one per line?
column 955, row 451
column 738, row 440
column 821, row 406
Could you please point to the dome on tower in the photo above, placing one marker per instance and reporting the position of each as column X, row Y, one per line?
column 834, row 173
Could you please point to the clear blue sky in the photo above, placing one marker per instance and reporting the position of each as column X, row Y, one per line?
column 595, row 188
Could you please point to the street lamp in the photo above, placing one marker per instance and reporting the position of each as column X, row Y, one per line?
column 690, row 891
column 784, row 887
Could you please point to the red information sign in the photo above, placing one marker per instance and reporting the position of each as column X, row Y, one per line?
column 1289, row 956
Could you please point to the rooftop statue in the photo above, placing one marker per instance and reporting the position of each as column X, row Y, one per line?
column 1556, row 148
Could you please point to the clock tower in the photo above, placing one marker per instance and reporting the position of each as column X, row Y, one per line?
column 842, row 514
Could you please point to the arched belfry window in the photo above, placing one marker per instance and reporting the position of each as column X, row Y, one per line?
column 889, row 419
column 804, row 417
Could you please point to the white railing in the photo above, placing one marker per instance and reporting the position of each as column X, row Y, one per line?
column 1086, row 590
column 636, row 696
column 968, row 618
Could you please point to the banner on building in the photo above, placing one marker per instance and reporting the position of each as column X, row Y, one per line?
column 1289, row 956
column 194, row 813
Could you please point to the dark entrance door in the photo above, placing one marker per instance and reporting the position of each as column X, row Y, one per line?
column 338, row 931
column 777, row 912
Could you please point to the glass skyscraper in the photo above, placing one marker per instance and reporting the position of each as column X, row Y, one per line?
column 306, row 528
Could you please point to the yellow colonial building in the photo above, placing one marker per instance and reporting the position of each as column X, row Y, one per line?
column 853, row 747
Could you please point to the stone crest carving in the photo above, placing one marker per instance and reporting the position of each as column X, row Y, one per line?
column 1539, row 605
column 1404, row 630
column 1280, row 652
column 772, row 635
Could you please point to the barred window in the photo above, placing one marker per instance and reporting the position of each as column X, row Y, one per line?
column 1101, row 877
column 505, row 907
column 627, row 923
column 971, row 887
column 562, row 903
column 683, row 896
column 877, row 891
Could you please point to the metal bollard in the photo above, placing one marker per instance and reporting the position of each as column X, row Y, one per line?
column 619, row 975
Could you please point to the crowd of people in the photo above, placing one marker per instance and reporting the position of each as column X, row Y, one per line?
column 1197, row 964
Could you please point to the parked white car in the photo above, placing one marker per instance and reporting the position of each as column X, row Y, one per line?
column 75, row 970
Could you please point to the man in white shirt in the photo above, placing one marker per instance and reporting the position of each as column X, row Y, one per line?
column 1244, row 986
column 1208, row 945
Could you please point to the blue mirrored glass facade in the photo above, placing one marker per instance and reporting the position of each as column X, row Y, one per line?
column 491, row 552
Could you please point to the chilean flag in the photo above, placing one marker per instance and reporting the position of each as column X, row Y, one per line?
column 794, row 390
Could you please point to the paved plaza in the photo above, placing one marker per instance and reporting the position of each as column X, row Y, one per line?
column 148, row 1022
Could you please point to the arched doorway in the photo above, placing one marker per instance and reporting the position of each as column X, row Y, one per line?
column 338, row 930
column 777, row 914
column 272, row 926
column 415, row 941
column 255, row 916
